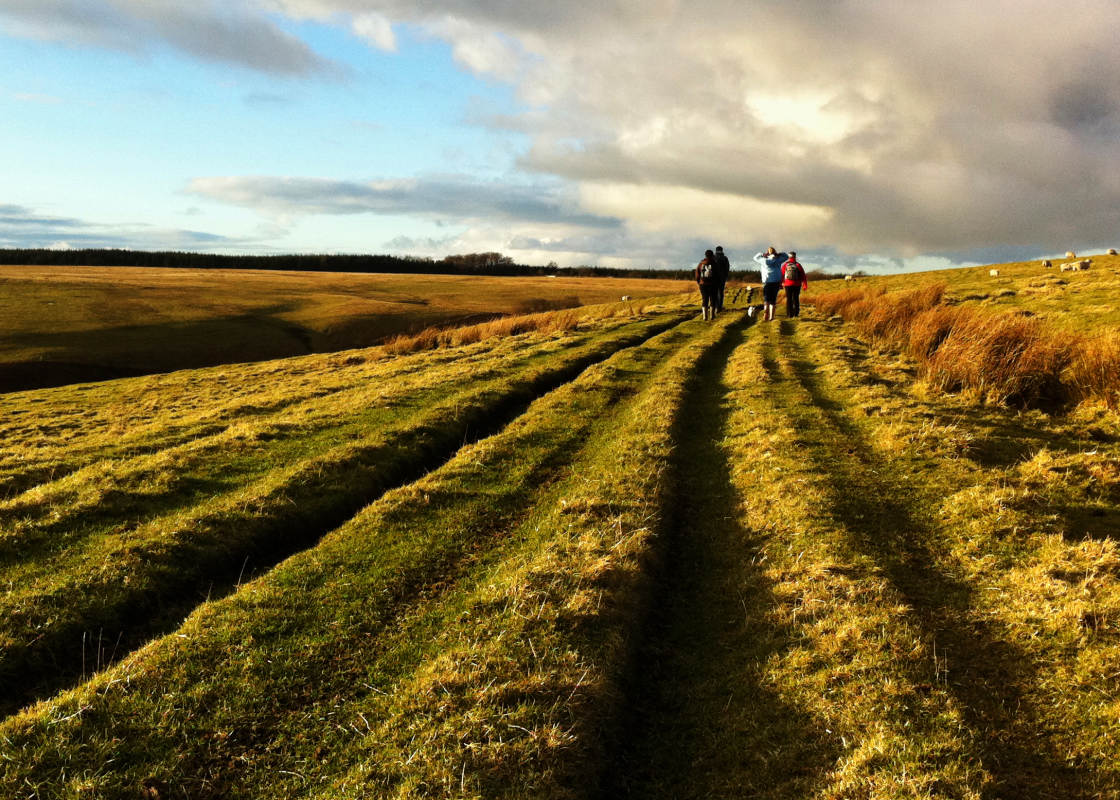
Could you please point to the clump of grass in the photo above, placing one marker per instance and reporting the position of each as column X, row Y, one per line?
column 1095, row 368
column 1007, row 358
column 433, row 338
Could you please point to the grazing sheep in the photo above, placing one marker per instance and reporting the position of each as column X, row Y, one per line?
column 849, row 277
column 1047, row 263
column 1112, row 251
column 1071, row 266
column 626, row 297
column 1071, row 254
column 994, row 273
column 1084, row 263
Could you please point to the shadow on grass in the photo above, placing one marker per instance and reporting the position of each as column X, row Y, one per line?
column 214, row 560
column 983, row 672
column 698, row 722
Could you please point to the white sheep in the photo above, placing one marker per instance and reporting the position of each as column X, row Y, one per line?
column 993, row 273
column 849, row 277
column 1047, row 263
column 1071, row 254
column 626, row 297
column 1069, row 267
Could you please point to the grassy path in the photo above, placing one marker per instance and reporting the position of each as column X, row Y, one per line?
column 459, row 637
column 92, row 580
column 891, row 517
column 702, row 722
column 828, row 627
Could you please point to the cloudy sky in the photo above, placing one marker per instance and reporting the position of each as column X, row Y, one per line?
column 875, row 134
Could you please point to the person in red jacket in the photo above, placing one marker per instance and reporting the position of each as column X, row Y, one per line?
column 794, row 280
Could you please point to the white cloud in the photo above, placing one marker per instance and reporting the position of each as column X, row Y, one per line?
column 376, row 29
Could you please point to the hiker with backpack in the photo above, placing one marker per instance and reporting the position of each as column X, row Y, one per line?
column 794, row 280
column 723, row 269
column 706, row 279
column 771, row 267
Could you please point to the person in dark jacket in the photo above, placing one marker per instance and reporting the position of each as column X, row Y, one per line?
column 723, row 267
column 706, row 272
column 794, row 280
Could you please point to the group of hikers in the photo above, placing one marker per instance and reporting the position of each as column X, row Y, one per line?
column 778, row 271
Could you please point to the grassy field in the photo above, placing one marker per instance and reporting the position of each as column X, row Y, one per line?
column 64, row 324
column 630, row 555
column 1070, row 300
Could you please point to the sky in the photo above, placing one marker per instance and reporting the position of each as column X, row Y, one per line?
column 865, row 134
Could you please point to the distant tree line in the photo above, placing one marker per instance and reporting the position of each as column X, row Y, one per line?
column 465, row 264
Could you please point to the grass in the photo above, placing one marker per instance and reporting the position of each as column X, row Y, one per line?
column 116, row 322
column 866, row 605
column 1075, row 301
column 1002, row 357
column 459, row 637
column 773, row 560
column 136, row 543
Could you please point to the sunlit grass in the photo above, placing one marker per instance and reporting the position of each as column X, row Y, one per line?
column 460, row 636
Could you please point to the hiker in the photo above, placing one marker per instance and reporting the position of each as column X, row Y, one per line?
column 794, row 280
column 771, row 267
column 706, row 279
column 724, row 269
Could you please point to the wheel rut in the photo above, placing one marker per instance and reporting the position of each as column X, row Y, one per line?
column 692, row 697
column 61, row 656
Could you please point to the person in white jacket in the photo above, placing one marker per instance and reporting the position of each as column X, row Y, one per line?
column 770, row 263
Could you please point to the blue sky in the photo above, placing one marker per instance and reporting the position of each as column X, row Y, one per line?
column 880, row 136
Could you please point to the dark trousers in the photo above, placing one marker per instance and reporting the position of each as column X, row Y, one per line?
column 709, row 294
column 793, row 301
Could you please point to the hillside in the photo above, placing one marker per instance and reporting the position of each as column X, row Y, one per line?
column 634, row 554
column 60, row 325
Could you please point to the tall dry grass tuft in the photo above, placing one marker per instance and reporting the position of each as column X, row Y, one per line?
column 841, row 302
column 1094, row 370
column 432, row 338
column 1002, row 358
column 930, row 328
column 879, row 319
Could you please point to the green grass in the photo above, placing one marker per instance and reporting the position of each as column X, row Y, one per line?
column 769, row 560
column 1081, row 301
column 119, row 548
column 460, row 636
column 880, row 593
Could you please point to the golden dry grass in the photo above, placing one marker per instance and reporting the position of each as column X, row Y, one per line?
column 63, row 324
column 998, row 356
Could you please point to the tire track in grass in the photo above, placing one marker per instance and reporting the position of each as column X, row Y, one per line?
column 701, row 720
column 250, row 697
column 139, row 591
column 883, row 512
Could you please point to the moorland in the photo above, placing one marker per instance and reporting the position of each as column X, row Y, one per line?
column 61, row 324
column 617, row 551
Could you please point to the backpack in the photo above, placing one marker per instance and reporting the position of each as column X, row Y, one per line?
column 706, row 271
column 793, row 272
